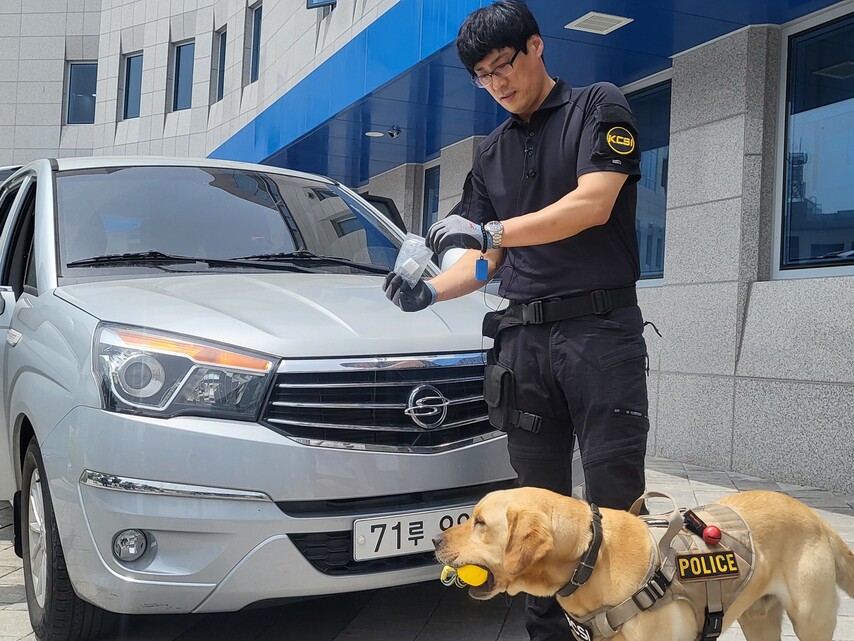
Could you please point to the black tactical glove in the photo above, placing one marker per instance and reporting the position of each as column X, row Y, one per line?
column 456, row 231
column 409, row 299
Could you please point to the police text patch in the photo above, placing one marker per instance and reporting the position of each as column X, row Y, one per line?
column 709, row 565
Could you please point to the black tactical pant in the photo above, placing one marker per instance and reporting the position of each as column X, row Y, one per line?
column 587, row 378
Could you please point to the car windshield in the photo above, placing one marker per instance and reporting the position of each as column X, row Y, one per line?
column 211, row 213
column 5, row 172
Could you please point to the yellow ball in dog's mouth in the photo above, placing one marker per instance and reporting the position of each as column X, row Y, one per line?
column 468, row 574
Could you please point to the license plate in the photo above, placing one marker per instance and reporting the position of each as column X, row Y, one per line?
column 400, row 534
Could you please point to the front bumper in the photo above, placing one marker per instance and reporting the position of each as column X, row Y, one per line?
column 221, row 542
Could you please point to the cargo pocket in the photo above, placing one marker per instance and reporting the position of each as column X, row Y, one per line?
column 625, row 371
column 498, row 393
column 623, row 354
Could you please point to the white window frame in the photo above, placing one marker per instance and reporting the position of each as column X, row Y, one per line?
column 789, row 30
column 172, row 87
column 123, row 85
column 66, row 98
column 249, row 41
column 216, row 71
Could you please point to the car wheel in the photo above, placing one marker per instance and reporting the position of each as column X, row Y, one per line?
column 56, row 612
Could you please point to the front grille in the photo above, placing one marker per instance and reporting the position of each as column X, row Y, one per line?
column 332, row 553
column 361, row 402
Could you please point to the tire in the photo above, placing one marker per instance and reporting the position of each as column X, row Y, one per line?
column 56, row 612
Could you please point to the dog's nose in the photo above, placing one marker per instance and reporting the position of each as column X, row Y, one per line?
column 438, row 540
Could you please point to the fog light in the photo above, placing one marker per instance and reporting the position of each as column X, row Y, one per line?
column 129, row 545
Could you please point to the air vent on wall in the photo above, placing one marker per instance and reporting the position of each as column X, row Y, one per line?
column 842, row 71
column 601, row 23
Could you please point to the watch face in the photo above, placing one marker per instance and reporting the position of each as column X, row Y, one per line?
column 496, row 230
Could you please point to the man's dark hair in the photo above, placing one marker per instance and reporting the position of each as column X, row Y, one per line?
column 508, row 23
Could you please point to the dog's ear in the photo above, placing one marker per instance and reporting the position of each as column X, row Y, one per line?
column 529, row 538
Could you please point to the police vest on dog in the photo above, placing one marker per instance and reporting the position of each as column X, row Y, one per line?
column 683, row 567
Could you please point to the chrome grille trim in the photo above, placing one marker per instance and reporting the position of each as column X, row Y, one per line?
column 371, row 403
column 369, row 428
column 375, row 406
column 375, row 364
column 114, row 482
column 428, row 381
column 432, row 449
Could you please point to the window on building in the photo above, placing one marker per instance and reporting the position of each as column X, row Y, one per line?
column 82, row 80
column 253, row 38
column 431, row 198
column 818, row 201
column 218, row 80
column 132, row 85
column 651, row 108
column 182, row 82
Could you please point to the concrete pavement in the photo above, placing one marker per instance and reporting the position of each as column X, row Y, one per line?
column 423, row 612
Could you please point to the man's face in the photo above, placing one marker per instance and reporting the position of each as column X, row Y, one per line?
column 521, row 92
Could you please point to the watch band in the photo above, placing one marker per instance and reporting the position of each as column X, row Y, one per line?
column 496, row 236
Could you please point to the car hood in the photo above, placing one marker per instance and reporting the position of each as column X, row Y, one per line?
column 287, row 315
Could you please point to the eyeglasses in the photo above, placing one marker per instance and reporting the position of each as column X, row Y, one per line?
column 502, row 71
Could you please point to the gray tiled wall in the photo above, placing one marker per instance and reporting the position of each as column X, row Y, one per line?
column 751, row 374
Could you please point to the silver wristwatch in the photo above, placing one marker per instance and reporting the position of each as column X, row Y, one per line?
column 496, row 231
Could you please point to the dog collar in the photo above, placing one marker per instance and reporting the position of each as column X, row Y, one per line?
column 585, row 566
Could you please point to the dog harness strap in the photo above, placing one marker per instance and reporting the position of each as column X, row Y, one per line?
column 714, row 615
column 585, row 566
column 708, row 598
column 675, row 524
column 608, row 622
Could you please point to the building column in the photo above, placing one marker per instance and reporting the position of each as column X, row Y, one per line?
column 719, row 210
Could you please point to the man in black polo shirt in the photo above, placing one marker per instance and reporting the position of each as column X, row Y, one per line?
column 550, row 202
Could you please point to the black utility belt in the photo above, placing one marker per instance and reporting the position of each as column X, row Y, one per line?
column 598, row 302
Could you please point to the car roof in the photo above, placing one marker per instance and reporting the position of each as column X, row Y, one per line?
column 97, row 162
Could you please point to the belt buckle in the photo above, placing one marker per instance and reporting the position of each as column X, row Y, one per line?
column 649, row 594
column 532, row 313
column 601, row 302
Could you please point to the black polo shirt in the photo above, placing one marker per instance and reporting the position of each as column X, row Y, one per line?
column 522, row 167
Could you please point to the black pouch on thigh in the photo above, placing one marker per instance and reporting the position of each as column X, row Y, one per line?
column 499, row 394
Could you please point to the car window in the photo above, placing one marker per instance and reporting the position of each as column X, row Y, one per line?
column 213, row 213
column 21, row 242
column 7, row 199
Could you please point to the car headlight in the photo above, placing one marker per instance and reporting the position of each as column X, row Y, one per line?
column 158, row 374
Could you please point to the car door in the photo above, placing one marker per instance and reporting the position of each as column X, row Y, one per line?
column 13, row 199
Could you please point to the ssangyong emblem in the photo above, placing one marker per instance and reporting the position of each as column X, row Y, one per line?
column 427, row 407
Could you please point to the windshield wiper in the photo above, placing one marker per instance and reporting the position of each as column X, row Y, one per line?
column 308, row 257
column 159, row 258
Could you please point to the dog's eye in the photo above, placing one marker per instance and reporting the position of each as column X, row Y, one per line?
column 479, row 521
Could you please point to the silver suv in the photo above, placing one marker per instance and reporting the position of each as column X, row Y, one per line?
column 208, row 402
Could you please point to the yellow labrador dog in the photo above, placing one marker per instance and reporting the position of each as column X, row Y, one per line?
column 531, row 540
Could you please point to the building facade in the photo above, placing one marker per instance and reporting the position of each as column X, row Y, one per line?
column 746, row 205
